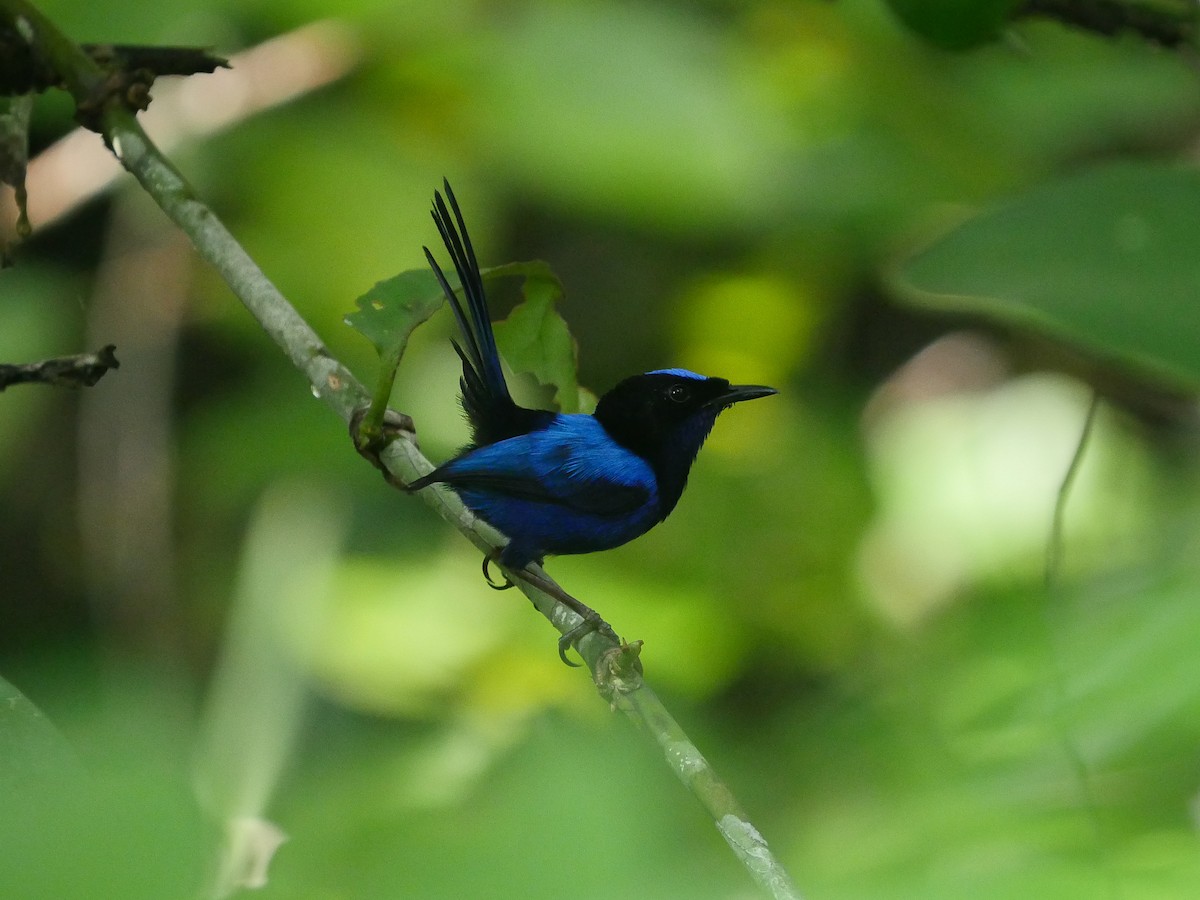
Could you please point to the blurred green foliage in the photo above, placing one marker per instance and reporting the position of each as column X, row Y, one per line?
column 847, row 611
column 1108, row 259
column 954, row 25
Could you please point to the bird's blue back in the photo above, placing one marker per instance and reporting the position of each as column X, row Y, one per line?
column 565, row 488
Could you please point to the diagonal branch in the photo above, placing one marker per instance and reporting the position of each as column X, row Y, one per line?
column 615, row 667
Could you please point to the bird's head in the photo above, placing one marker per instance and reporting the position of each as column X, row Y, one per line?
column 664, row 416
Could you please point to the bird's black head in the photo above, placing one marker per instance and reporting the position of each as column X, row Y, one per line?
column 664, row 417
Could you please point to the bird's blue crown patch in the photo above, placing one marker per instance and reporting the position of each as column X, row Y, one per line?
column 678, row 373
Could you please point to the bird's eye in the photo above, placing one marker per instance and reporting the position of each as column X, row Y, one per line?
column 678, row 392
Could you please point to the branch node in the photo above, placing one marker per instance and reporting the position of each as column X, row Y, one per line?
column 370, row 443
column 130, row 88
column 618, row 672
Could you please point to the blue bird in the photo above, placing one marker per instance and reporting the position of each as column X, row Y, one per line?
column 557, row 483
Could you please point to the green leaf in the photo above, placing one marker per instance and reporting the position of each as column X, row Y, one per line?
column 387, row 316
column 1108, row 261
column 535, row 338
column 390, row 311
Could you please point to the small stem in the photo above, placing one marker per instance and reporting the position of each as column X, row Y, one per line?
column 371, row 427
column 1051, row 610
column 1054, row 547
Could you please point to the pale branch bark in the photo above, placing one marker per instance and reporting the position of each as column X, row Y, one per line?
column 699, row 777
column 615, row 668
column 330, row 380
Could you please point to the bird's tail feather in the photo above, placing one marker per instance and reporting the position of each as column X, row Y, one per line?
column 490, row 408
column 483, row 379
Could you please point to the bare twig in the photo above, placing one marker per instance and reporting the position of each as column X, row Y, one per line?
column 81, row 370
column 75, row 168
column 22, row 71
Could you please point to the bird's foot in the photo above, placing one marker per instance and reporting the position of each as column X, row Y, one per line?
column 591, row 622
column 370, row 444
column 583, row 629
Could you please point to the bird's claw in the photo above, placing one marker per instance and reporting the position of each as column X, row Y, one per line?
column 492, row 583
column 565, row 643
column 579, row 632
column 396, row 423
column 589, row 620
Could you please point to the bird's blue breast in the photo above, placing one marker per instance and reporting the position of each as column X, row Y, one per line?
column 565, row 488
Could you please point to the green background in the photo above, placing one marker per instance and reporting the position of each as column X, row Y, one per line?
column 933, row 252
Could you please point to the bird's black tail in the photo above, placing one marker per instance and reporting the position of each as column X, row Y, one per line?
column 488, row 404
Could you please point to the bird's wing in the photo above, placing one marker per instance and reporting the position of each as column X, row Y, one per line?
column 601, row 498
column 555, row 466
column 490, row 408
